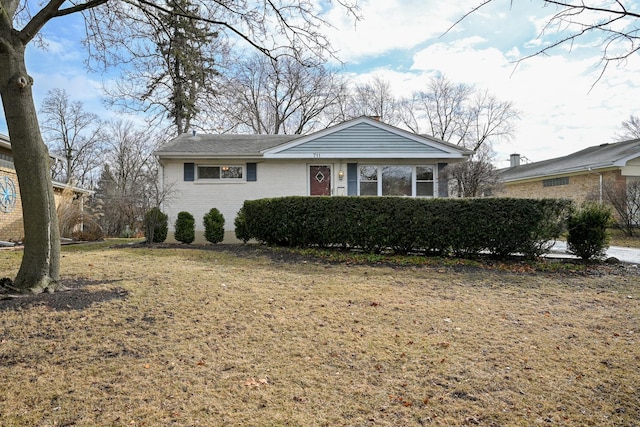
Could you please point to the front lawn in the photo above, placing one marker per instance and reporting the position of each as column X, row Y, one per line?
column 254, row 337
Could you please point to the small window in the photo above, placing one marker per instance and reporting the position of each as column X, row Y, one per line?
column 368, row 180
column 220, row 172
column 554, row 182
column 424, row 181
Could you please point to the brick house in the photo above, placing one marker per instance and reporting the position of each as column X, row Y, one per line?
column 11, row 225
column 580, row 176
column 359, row 157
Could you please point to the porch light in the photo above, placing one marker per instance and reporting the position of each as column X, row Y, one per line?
column 340, row 174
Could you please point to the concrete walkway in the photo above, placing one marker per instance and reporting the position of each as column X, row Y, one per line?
column 628, row 255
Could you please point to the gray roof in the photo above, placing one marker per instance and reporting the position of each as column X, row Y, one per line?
column 251, row 145
column 596, row 157
column 223, row 144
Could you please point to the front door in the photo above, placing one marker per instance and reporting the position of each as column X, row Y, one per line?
column 320, row 180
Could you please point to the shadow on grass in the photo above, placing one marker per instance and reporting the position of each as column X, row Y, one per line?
column 75, row 297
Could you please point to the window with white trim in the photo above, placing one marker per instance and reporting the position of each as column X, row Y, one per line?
column 424, row 181
column 396, row 180
column 206, row 172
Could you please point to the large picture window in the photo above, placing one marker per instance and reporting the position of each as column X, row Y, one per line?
column 396, row 180
column 220, row 172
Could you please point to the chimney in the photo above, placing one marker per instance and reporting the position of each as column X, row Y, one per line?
column 376, row 118
column 515, row 160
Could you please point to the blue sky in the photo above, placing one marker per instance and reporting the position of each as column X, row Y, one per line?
column 402, row 41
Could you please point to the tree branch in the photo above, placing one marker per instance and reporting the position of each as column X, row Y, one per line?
column 80, row 7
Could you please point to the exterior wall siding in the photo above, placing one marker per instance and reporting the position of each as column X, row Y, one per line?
column 365, row 138
column 11, row 226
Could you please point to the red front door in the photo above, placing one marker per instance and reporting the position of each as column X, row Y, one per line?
column 320, row 180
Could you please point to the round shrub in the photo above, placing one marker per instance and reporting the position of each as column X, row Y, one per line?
column 213, row 226
column 156, row 226
column 185, row 228
column 587, row 237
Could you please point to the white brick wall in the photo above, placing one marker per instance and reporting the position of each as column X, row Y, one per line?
column 274, row 179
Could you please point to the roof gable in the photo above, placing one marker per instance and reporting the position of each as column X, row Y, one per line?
column 365, row 138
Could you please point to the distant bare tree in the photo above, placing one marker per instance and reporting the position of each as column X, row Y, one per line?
column 624, row 196
column 374, row 98
column 462, row 115
column 284, row 96
column 476, row 177
column 630, row 129
column 73, row 134
column 127, row 187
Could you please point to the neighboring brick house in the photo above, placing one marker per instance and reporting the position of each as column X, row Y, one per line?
column 11, row 225
column 580, row 176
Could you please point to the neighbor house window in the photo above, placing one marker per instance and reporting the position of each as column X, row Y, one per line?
column 554, row 182
column 220, row 172
column 396, row 180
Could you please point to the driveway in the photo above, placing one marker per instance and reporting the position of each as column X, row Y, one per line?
column 628, row 255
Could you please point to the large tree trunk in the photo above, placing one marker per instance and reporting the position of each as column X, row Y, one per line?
column 40, row 268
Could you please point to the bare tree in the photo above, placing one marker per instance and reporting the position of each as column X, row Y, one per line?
column 460, row 114
column 630, row 129
column 374, row 98
column 614, row 22
column 624, row 196
column 474, row 178
column 73, row 134
column 274, row 27
column 127, row 187
column 267, row 96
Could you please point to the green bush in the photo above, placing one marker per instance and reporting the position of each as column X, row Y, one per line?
column 213, row 226
column 185, row 228
column 587, row 237
column 156, row 226
column 241, row 231
column 463, row 227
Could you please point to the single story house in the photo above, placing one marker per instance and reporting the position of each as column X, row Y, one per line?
column 579, row 176
column 11, row 225
column 359, row 157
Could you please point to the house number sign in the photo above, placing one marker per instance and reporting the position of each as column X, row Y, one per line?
column 7, row 194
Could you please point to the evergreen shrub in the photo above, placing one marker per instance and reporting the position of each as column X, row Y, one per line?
column 587, row 231
column 156, row 226
column 185, row 227
column 213, row 226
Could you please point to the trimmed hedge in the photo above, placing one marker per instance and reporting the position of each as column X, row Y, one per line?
column 462, row 227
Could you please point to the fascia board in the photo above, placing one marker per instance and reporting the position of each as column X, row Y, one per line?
column 360, row 155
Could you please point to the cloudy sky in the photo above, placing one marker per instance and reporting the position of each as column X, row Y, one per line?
column 404, row 42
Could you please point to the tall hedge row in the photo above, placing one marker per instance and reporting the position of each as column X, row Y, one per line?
column 462, row 227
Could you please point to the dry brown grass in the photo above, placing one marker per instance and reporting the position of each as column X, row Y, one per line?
column 211, row 338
